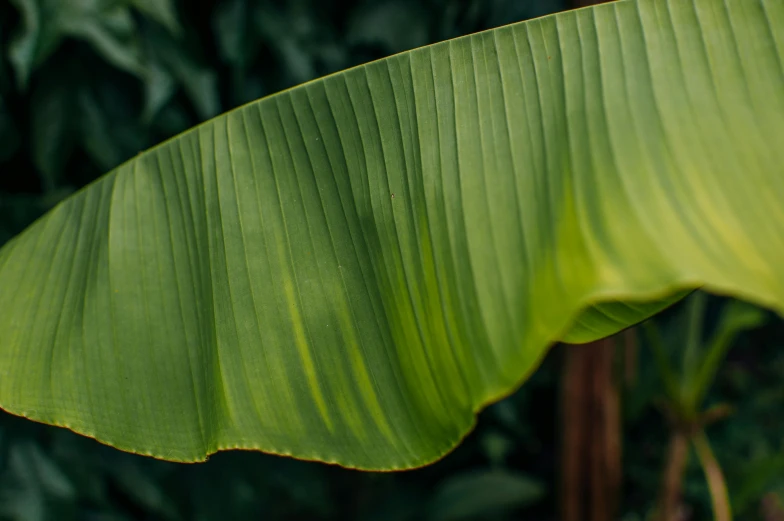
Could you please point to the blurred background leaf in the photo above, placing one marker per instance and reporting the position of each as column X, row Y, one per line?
column 162, row 11
column 483, row 495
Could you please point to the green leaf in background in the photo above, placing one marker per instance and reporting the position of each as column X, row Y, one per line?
column 238, row 44
column 109, row 133
column 159, row 87
column 111, row 34
column 171, row 64
column 162, row 11
column 53, row 125
column 349, row 270
column 105, row 24
column 33, row 43
column 736, row 317
column 35, row 487
column 236, row 41
column 756, row 479
column 131, row 478
column 477, row 495
column 388, row 24
column 290, row 32
column 294, row 33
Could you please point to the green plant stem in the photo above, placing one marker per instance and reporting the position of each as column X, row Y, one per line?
column 714, row 476
column 695, row 311
column 663, row 366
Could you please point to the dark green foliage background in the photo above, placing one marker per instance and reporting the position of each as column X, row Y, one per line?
column 86, row 84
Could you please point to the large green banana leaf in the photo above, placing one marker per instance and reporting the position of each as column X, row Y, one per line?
column 349, row 270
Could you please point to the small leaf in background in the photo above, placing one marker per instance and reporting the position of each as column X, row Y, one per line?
column 35, row 488
column 507, row 415
column 403, row 500
column 217, row 491
column 238, row 44
column 478, row 494
column 173, row 58
column 52, row 125
column 200, row 84
column 132, row 476
column 97, row 137
column 35, row 40
column 757, row 478
column 82, row 461
column 501, row 12
column 111, row 33
column 108, row 28
column 395, row 26
column 159, row 87
column 162, row 11
column 297, row 480
column 172, row 119
column 497, row 446
column 287, row 34
column 232, row 32
column 737, row 316
column 110, row 131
